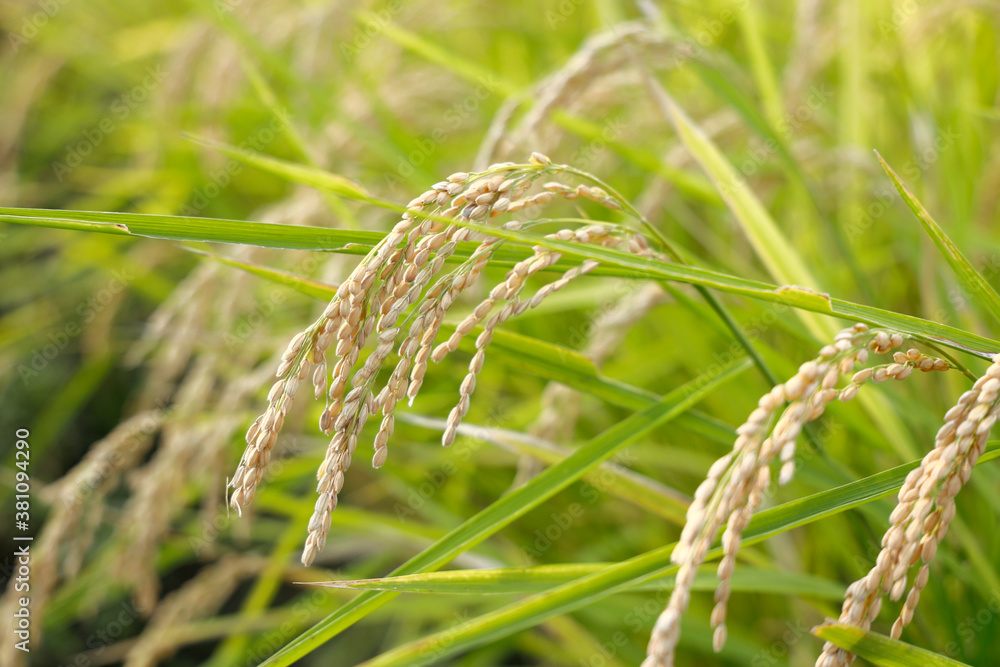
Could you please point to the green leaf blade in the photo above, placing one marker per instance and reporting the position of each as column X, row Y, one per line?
column 513, row 505
column 971, row 280
column 879, row 649
column 290, row 171
column 640, row 570
column 521, row 580
column 614, row 262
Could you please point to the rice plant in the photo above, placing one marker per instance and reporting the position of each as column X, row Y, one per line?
column 698, row 300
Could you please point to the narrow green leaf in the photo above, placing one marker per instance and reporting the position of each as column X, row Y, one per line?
column 52, row 219
column 433, row 52
column 639, row 570
column 790, row 295
column 615, row 262
column 261, row 234
column 297, row 173
column 306, row 286
column 760, row 63
column 645, row 493
column 879, row 649
column 780, row 258
column 278, row 104
column 974, row 283
column 521, row 580
column 531, row 355
column 569, row 367
column 186, row 228
column 696, row 186
column 513, row 505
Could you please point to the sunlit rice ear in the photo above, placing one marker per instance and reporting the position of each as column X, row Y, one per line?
column 396, row 300
column 925, row 508
column 736, row 483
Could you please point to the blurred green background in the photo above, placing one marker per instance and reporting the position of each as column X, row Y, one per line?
column 97, row 98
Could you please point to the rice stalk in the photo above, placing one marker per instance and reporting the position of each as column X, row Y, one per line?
column 736, row 483
column 200, row 597
column 396, row 300
column 920, row 520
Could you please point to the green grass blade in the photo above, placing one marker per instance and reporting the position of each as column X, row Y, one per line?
column 447, row 59
column 616, row 263
column 760, row 63
column 974, row 283
column 260, row 597
column 52, row 219
column 531, row 355
column 261, row 234
column 794, row 296
column 555, row 362
column 721, row 84
column 638, row 570
column 513, row 505
column 624, row 265
column 779, row 257
column 561, row 364
column 619, row 481
column 306, row 286
column 278, row 108
column 879, row 649
column 297, row 173
column 522, row 580
column 187, row 228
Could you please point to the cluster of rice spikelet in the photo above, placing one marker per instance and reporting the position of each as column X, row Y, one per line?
column 925, row 509
column 735, row 484
column 396, row 299
column 77, row 509
column 200, row 597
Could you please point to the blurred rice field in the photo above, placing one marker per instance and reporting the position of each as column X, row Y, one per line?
column 136, row 364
